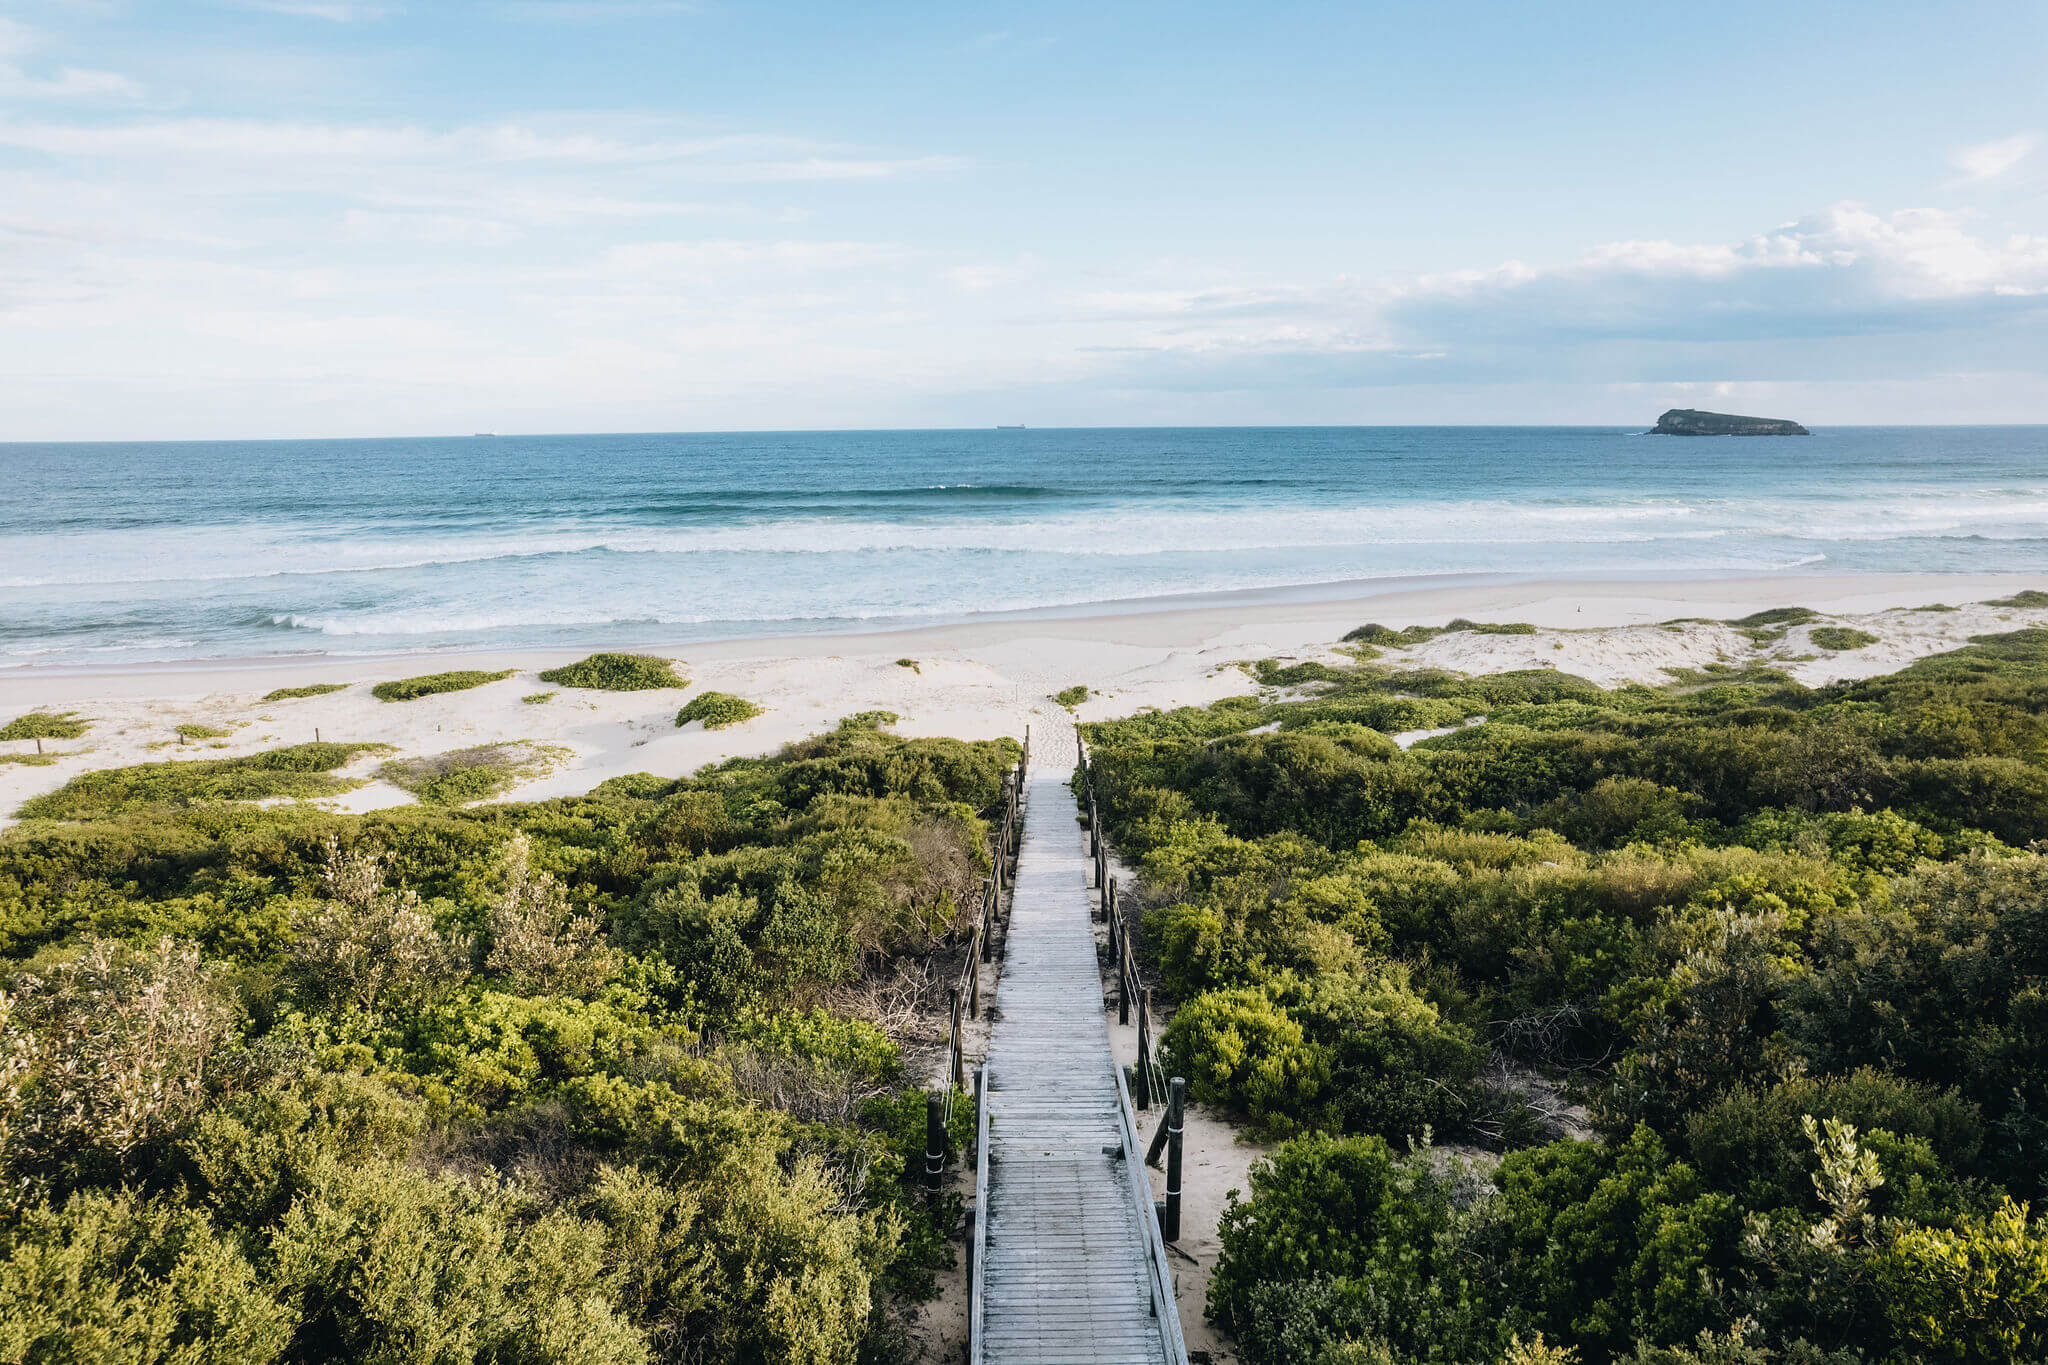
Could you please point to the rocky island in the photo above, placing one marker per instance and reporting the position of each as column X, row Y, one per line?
column 1693, row 422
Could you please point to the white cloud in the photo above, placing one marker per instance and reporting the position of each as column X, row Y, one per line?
column 18, row 41
column 1989, row 160
column 333, row 11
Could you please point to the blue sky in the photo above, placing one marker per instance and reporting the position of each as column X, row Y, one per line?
column 367, row 217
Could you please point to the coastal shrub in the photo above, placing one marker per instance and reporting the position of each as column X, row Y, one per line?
column 310, row 690
column 617, row 673
column 462, row 776
column 1782, row 617
column 539, row 698
column 45, row 725
column 1271, row 673
column 1070, row 697
column 1386, row 637
column 301, row 772
column 194, row 730
column 868, row 720
column 1239, row 1049
column 2026, row 597
column 1840, row 637
column 910, row 664
column 718, row 710
column 37, row 760
column 429, row 684
column 1785, row 944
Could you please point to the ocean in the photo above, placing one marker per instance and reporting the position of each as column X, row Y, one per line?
column 124, row 554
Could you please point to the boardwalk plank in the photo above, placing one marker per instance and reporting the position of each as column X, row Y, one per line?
column 1065, row 1275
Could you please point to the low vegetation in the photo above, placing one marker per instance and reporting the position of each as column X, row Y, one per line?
column 1840, row 637
column 617, row 673
column 1071, row 697
column 539, row 698
column 601, row 1080
column 1387, row 637
column 718, row 710
column 464, row 776
column 194, row 730
column 45, row 725
column 2026, row 597
column 430, row 684
column 309, row 690
column 301, row 772
column 910, row 664
column 1723, row 989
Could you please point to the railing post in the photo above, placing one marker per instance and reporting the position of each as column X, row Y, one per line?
column 988, row 919
column 1145, row 1049
column 1109, row 902
column 959, row 1080
column 934, row 1138
column 1176, row 1098
column 1123, row 990
column 974, row 982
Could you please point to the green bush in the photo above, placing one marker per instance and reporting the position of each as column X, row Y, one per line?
column 310, row 690
column 617, row 673
column 193, row 730
column 1239, row 1049
column 301, row 772
column 717, row 710
column 45, row 725
column 463, row 776
column 429, row 684
column 2026, row 597
column 539, row 698
column 1840, row 637
column 1070, row 697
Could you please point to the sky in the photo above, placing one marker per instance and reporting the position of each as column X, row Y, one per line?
column 299, row 218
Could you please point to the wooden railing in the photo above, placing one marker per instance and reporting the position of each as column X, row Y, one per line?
column 964, row 996
column 1133, row 996
column 1159, row 1272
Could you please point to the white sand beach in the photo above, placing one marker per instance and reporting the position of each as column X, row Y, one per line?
column 981, row 677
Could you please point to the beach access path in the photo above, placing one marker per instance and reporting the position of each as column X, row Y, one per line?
column 1069, row 1271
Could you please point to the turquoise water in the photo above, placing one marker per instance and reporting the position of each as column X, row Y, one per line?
column 127, row 553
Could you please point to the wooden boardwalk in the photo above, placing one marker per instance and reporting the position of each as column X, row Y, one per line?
column 1069, row 1263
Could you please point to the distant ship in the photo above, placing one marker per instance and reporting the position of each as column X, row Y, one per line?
column 1018, row 427
column 487, row 433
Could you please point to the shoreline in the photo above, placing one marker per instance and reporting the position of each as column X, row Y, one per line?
column 976, row 679
column 1182, row 618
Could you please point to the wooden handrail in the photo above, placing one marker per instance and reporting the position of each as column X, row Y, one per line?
column 1164, row 1307
column 977, row 1251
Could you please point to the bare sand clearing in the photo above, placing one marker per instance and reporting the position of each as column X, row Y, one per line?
column 974, row 679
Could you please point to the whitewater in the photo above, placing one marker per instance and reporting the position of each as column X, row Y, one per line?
column 112, row 554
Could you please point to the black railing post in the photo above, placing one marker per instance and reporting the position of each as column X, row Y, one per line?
column 1145, row 1049
column 934, row 1138
column 1176, row 1098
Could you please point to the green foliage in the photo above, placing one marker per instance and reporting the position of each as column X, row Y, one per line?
column 310, row 690
column 30, row 760
column 45, row 725
column 512, row 1083
column 1788, row 946
column 193, row 730
column 428, row 684
column 717, row 710
column 910, row 664
column 2026, row 597
column 539, row 698
column 1976, row 1292
column 1840, row 637
column 301, row 772
column 1777, row 617
column 1070, row 697
column 617, row 673
column 463, row 776
column 1386, row 637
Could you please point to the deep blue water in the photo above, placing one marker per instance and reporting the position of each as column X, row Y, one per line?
column 118, row 553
